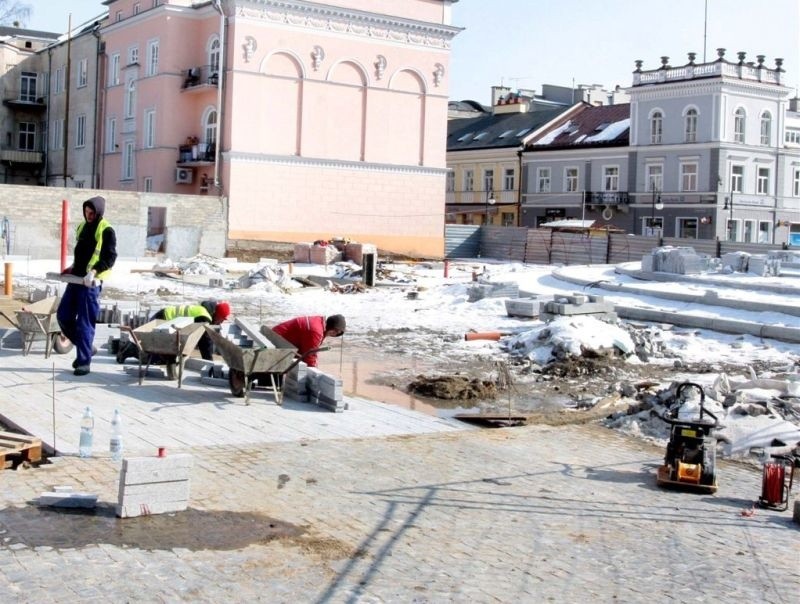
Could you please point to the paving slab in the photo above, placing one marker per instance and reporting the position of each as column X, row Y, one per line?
column 42, row 397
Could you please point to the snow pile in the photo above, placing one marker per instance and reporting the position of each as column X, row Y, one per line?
column 568, row 336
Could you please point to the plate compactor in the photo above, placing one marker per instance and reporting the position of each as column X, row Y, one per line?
column 690, row 462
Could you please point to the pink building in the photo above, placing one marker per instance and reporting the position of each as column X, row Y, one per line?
column 313, row 120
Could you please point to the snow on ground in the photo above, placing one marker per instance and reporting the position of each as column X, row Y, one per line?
column 416, row 311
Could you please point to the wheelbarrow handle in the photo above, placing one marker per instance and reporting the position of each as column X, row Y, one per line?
column 299, row 358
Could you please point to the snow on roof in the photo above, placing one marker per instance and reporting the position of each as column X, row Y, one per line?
column 610, row 132
column 551, row 136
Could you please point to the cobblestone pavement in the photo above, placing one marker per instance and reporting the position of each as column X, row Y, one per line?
column 531, row 514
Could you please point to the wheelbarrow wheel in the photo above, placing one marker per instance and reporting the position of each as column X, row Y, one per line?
column 236, row 380
column 61, row 344
column 171, row 371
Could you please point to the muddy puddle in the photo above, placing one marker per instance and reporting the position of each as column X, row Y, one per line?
column 386, row 378
column 441, row 387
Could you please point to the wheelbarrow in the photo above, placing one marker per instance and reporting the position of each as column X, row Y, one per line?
column 39, row 319
column 266, row 361
column 172, row 340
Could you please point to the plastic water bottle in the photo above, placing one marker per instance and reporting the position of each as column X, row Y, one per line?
column 87, row 434
column 115, row 444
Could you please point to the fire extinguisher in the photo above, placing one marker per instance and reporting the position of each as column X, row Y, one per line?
column 776, row 482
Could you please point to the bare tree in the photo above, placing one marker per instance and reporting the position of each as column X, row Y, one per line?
column 12, row 12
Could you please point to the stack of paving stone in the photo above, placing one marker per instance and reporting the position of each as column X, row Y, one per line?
column 764, row 266
column 736, row 261
column 302, row 253
column 479, row 291
column 324, row 254
column 675, row 260
column 523, row 307
column 314, row 386
column 576, row 304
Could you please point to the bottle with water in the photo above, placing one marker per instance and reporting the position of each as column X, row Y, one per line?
column 115, row 445
column 87, row 434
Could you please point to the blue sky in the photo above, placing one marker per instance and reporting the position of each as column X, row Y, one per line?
column 527, row 43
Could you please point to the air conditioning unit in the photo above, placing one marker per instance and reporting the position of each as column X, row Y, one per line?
column 184, row 176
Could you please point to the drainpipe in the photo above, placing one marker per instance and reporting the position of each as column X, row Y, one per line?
column 99, row 121
column 66, row 95
column 220, row 87
column 45, row 143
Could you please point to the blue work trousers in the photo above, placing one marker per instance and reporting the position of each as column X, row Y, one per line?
column 77, row 314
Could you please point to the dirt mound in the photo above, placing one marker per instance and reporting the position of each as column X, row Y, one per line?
column 453, row 387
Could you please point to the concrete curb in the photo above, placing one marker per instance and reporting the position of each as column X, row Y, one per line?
column 735, row 326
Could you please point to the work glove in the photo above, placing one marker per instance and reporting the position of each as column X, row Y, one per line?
column 88, row 280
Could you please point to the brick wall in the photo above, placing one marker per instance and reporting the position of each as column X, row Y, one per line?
column 194, row 223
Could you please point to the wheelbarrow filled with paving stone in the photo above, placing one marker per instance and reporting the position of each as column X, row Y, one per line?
column 254, row 356
column 168, row 342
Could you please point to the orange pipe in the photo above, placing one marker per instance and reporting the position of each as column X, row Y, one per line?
column 9, row 283
column 483, row 335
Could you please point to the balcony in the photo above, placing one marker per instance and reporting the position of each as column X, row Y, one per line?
column 27, row 103
column 607, row 198
column 198, row 79
column 193, row 153
column 14, row 156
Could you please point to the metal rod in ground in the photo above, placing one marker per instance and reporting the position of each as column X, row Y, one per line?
column 54, row 408
column 341, row 357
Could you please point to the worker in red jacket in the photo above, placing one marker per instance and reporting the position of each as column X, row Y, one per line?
column 307, row 333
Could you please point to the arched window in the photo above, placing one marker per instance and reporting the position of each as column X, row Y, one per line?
column 656, row 127
column 209, row 129
column 766, row 128
column 213, row 55
column 690, row 126
column 739, row 118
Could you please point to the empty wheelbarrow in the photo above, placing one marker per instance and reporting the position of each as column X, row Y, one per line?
column 39, row 320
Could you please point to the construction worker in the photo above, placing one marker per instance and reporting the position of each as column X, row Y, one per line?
column 208, row 311
column 94, row 256
column 307, row 333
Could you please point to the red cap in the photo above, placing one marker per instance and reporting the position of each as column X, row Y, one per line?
column 222, row 311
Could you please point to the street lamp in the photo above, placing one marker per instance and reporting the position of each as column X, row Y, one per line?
column 731, row 225
column 656, row 205
column 490, row 201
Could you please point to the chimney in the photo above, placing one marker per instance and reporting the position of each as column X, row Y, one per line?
column 497, row 92
column 794, row 104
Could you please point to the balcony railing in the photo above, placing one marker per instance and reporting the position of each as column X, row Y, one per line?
column 24, row 102
column 199, row 77
column 21, row 157
column 607, row 197
column 196, row 152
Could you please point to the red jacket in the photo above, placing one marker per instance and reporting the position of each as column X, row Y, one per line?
column 305, row 333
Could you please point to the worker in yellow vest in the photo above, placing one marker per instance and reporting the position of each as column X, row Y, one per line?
column 95, row 255
column 208, row 311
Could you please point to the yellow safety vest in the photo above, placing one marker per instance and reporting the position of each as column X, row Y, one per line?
column 192, row 310
column 98, row 237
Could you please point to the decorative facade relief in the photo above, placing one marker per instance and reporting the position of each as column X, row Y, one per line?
column 249, row 47
column 438, row 74
column 356, row 23
column 380, row 67
column 317, row 57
